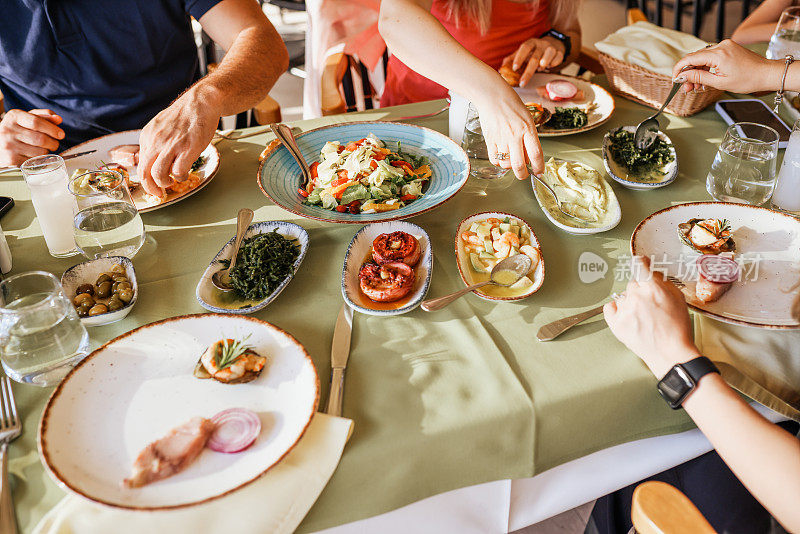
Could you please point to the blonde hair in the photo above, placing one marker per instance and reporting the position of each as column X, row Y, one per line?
column 480, row 11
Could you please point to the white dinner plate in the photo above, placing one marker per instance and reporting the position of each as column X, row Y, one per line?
column 767, row 246
column 143, row 203
column 592, row 93
column 136, row 388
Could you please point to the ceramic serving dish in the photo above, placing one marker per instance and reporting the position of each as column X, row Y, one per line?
column 462, row 258
column 137, row 387
column 279, row 175
column 215, row 300
column 101, row 145
column 87, row 273
column 767, row 249
column 618, row 173
column 358, row 252
column 574, row 226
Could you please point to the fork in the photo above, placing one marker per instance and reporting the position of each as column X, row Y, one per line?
column 10, row 428
column 550, row 331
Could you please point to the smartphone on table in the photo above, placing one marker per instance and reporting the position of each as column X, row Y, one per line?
column 753, row 110
column 6, row 203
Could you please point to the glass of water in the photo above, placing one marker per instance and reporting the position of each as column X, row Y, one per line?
column 106, row 221
column 744, row 167
column 41, row 335
column 786, row 38
column 474, row 145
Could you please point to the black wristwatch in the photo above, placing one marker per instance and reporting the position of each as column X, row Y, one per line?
column 564, row 38
column 681, row 380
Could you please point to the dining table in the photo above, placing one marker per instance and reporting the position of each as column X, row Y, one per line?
column 444, row 401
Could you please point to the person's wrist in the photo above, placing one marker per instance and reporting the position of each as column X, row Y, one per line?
column 207, row 98
column 678, row 354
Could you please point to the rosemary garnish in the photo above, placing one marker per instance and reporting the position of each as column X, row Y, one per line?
column 228, row 353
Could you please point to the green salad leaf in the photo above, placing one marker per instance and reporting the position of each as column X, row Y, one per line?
column 639, row 162
column 263, row 262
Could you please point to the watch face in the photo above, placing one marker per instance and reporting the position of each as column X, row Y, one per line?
column 675, row 385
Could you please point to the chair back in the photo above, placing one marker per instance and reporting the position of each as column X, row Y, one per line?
column 659, row 508
column 653, row 10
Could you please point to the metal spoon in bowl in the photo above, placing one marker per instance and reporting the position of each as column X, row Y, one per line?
column 558, row 202
column 647, row 130
column 506, row 273
column 286, row 137
column 222, row 278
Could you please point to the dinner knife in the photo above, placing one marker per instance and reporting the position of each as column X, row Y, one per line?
column 68, row 156
column 340, row 352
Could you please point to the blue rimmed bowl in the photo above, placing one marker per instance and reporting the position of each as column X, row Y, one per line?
column 358, row 251
column 215, row 300
column 279, row 175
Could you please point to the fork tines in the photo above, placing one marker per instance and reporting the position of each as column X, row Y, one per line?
column 8, row 408
column 677, row 281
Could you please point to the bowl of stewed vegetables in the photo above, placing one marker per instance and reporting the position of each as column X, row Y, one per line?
column 102, row 290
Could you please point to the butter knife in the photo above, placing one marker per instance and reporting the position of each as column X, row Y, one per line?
column 68, row 156
column 340, row 352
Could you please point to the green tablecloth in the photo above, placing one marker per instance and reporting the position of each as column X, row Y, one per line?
column 440, row 401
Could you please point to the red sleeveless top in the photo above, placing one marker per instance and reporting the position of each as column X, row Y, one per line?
column 512, row 23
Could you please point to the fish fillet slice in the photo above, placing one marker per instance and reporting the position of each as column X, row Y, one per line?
column 171, row 454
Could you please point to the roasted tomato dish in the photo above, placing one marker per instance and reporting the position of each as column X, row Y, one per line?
column 388, row 274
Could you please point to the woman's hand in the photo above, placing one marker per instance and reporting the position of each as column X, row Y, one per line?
column 536, row 55
column 509, row 131
column 735, row 68
column 651, row 319
column 26, row 134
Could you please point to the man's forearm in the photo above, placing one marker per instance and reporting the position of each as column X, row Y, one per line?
column 764, row 457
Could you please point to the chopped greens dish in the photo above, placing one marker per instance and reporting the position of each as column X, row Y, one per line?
column 365, row 177
column 199, row 162
column 640, row 163
column 263, row 262
column 567, row 119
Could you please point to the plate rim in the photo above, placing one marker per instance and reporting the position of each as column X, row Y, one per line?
column 180, row 197
column 721, row 318
column 56, row 476
column 269, row 151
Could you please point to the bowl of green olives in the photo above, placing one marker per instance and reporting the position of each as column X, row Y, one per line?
column 102, row 290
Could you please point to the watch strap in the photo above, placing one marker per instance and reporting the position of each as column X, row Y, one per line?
column 690, row 373
column 699, row 367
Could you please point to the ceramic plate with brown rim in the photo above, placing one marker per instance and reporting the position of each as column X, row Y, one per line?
column 480, row 244
column 591, row 98
column 136, row 388
column 767, row 249
column 144, row 203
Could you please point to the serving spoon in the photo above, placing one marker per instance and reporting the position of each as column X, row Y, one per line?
column 286, row 137
column 506, row 273
column 647, row 130
column 558, row 202
column 222, row 278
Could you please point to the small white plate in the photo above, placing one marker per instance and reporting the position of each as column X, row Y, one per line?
column 134, row 389
column 131, row 137
column 618, row 173
column 462, row 260
column 215, row 300
column 767, row 244
column 357, row 252
column 592, row 93
column 574, row 226
column 87, row 273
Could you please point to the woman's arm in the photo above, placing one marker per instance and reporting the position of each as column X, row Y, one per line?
column 652, row 320
column 759, row 26
column 414, row 35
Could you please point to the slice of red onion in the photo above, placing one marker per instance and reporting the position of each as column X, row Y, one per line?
column 718, row 269
column 561, row 89
column 236, row 429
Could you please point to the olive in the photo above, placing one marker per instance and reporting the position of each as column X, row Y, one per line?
column 80, row 298
column 119, row 278
column 98, row 309
column 120, row 286
column 104, row 289
column 85, row 288
column 83, row 311
column 115, row 304
column 125, row 295
column 119, row 269
column 102, row 278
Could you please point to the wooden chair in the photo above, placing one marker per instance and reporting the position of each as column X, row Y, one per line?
column 265, row 112
column 699, row 9
column 659, row 508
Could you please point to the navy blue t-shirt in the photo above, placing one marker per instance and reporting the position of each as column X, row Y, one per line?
column 103, row 65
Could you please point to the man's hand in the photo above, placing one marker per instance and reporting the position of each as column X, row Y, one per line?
column 26, row 134
column 175, row 138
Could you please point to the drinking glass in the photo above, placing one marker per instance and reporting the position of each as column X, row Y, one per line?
column 41, row 335
column 46, row 177
column 474, row 145
column 106, row 221
column 786, row 38
column 786, row 197
column 744, row 167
